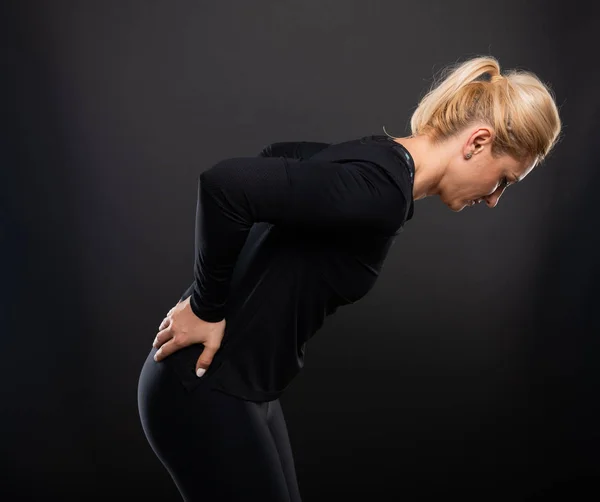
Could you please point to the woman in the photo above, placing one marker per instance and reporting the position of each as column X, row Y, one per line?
column 286, row 238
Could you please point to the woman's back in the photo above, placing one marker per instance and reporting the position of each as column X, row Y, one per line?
column 289, row 277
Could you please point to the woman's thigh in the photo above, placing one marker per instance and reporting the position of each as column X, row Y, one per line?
column 279, row 432
column 215, row 446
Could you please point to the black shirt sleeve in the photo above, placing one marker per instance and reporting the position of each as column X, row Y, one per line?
column 293, row 149
column 301, row 150
column 187, row 292
column 237, row 192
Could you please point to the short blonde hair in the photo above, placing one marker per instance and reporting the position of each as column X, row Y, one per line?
column 517, row 105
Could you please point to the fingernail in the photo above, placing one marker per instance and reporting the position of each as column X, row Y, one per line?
column 200, row 372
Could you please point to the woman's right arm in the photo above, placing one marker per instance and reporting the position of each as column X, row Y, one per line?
column 293, row 149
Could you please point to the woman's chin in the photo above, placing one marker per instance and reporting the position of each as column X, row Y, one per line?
column 457, row 206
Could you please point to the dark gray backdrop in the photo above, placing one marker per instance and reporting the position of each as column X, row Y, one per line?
column 469, row 371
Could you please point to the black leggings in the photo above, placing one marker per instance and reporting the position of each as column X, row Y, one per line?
column 216, row 447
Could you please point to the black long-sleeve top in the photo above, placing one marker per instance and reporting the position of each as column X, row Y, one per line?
column 282, row 241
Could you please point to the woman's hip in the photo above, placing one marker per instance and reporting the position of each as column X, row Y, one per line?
column 165, row 397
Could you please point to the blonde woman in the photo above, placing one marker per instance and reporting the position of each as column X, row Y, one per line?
column 285, row 239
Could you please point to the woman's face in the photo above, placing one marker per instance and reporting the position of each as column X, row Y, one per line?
column 481, row 178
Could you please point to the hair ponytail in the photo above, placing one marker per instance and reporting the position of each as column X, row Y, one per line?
column 517, row 105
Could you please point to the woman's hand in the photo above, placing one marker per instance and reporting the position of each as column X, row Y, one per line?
column 181, row 328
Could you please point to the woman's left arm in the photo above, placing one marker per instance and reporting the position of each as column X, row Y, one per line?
column 301, row 150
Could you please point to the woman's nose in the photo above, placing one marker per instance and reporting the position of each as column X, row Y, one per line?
column 492, row 199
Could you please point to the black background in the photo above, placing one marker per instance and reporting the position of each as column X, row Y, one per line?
column 470, row 371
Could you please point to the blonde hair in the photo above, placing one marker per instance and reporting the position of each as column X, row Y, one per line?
column 517, row 105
